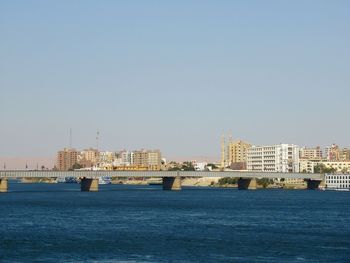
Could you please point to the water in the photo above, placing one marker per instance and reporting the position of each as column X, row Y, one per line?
column 58, row 223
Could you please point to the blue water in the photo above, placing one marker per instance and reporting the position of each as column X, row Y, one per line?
column 58, row 223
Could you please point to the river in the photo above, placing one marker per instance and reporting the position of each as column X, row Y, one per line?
column 121, row 223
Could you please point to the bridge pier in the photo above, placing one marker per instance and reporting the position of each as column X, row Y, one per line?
column 3, row 185
column 313, row 184
column 246, row 183
column 172, row 183
column 89, row 185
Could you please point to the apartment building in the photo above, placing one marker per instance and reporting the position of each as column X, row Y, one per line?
column 308, row 166
column 107, row 157
column 66, row 158
column 311, row 153
column 345, row 154
column 147, row 158
column 88, row 157
column 237, row 154
column 154, row 159
column 332, row 153
column 275, row 158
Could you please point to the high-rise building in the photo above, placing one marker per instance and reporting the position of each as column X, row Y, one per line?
column 332, row 153
column 275, row 158
column 237, row 154
column 140, row 158
column 311, row 153
column 150, row 159
column 223, row 154
column 154, row 158
column 89, row 157
column 66, row 159
column 106, row 157
column 127, row 158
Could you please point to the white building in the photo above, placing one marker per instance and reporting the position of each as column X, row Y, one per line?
column 308, row 166
column 337, row 181
column 200, row 166
column 275, row 158
column 127, row 157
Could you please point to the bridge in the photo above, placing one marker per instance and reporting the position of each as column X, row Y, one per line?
column 171, row 179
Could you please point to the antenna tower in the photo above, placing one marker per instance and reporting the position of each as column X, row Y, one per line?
column 97, row 138
column 223, row 152
column 70, row 138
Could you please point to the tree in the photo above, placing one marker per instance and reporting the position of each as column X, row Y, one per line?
column 187, row 166
column 174, row 169
column 264, row 182
column 345, row 170
column 227, row 180
column 322, row 169
column 75, row 167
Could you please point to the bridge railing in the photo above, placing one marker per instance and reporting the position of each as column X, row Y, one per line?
column 148, row 174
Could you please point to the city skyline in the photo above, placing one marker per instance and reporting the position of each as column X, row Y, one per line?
column 16, row 162
column 269, row 73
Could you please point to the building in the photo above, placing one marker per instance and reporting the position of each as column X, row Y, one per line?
column 311, row 153
column 127, row 158
column 66, row 159
column 140, row 158
column 343, row 167
column 345, row 154
column 107, row 157
column 332, row 153
column 154, row 159
column 89, row 157
column 202, row 166
column 275, row 158
column 307, row 166
column 147, row 158
column 337, row 181
column 237, row 154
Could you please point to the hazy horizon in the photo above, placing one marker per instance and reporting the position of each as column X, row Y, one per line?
column 172, row 76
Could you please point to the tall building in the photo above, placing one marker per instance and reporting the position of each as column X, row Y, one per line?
column 275, row 158
column 237, row 154
column 140, row 158
column 311, row 153
column 89, row 157
column 154, row 160
column 106, row 157
column 150, row 159
column 223, row 154
column 332, row 153
column 127, row 158
column 66, row 159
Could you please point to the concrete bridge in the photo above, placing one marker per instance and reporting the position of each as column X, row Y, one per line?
column 171, row 179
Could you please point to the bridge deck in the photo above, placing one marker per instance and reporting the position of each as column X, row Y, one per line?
column 148, row 174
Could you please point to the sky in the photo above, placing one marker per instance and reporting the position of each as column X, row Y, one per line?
column 172, row 75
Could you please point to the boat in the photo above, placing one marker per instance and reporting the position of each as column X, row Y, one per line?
column 338, row 189
column 104, row 180
column 155, row 181
column 61, row 180
column 71, row 180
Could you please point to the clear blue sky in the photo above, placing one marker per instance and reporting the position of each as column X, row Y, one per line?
column 172, row 75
